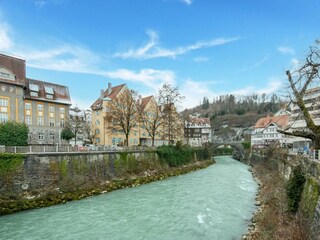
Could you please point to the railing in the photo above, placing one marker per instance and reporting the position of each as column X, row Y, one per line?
column 311, row 154
column 53, row 149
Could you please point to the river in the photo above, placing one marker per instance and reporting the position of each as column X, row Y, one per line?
column 212, row 203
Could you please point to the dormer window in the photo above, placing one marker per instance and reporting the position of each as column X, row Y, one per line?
column 5, row 74
column 34, row 90
column 49, row 92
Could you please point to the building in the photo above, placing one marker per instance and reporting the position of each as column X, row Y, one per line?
column 80, row 124
column 297, row 122
column 102, row 123
column 43, row 106
column 106, row 128
column 197, row 131
column 265, row 131
column 151, row 122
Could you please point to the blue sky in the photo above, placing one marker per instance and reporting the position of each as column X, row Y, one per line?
column 205, row 47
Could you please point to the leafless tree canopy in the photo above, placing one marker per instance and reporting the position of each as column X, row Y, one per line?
column 300, row 80
column 169, row 98
column 123, row 113
column 151, row 120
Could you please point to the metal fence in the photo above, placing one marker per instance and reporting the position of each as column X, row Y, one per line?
column 53, row 149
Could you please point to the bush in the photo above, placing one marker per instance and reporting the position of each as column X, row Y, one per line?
column 294, row 189
column 13, row 134
column 181, row 154
column 246, row 145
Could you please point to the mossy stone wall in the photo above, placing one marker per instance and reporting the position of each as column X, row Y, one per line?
column 34, row 173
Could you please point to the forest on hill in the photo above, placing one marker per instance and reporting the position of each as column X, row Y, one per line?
column 227, row 112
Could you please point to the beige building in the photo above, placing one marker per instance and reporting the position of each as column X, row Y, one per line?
column 107, row 132
column 41, row 105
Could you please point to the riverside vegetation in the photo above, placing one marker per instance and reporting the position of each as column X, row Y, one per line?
column 278, row 200
column 73, row 182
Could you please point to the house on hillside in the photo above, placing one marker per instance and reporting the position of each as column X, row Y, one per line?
column 265, row 131
column 197, row 131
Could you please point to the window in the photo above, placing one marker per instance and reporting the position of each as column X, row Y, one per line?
column 28, row 119
column 4, row 110
column 34, row 94
column 27, row 106
column 3, row 102
column 97, row 140
column 97, row 131
column 62, row 110
column 51, row 122
column 52, row 136
column 97, row 122
column 4, row 73
column 40, row 107
column 41, row 136
column 3, row 117
column 49, row 90
column 33, row 87
column 62, row 123
column 40, row 121
column 51, row 109
column 49, row 96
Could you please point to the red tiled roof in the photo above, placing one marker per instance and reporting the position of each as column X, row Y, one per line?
column 281, row 121
column 200, row 121
column 114, row 92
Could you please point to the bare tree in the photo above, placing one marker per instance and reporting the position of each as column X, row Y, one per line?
column 169, row 98
column 152, row 119
column 123, row 113
column 300, row 81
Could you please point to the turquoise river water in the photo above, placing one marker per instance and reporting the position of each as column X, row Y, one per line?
column 212, row 203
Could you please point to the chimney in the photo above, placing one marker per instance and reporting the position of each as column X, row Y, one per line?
column 109, row 88
column 140, row 100
column 101, row 94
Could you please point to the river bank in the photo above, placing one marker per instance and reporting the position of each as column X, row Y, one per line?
column 272, row 219
column 26, row 200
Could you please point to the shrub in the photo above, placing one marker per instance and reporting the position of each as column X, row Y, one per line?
column 13, row 134
column 246, row 145
column 294, row 189
column 181, row 154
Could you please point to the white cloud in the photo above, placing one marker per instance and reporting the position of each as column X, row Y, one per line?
column 5, row 40
column 39, row 3
column 286, row 50
column 201, row 59
column 188, row 2
column 151, row 78
column 152, row 49
column 65, row 58
column 255, row 65
column 274, row 85
column 194, row 91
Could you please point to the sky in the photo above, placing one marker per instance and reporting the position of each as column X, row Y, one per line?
column 206, row 48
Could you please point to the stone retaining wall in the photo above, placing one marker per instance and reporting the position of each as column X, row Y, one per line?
column 44, row 172
column 309, row 208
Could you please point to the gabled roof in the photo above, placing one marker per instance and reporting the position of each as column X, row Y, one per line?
column 281, row 121
column 114, row 92
column 57, row 94
column 145, row 101
column 199, row 121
